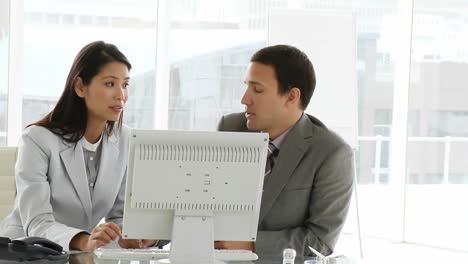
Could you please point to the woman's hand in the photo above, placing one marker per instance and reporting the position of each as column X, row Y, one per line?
column 137, row 243
column 101, row 235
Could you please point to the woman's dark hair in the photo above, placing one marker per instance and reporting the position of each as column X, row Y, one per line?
column 292, row 69
column 69, row 117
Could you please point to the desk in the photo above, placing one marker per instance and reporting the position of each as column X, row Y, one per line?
column 89, row 258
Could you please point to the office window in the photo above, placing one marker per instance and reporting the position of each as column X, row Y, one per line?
column 53, row 19
column 34, row 18
column 211, row 43
column 366, row 167
column 4, row 44
column 382, row 127
column 68, row 19
column 382, row 122
column 425, row 160
column 458, row 171
column 444, row 123
column 51, row 45
column 85, row 20
column 438, row 92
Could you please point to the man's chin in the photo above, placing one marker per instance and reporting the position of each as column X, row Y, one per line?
column 251, row 125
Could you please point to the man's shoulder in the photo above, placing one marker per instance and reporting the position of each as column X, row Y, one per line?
column 235, row 122
column 318, row 134
column 235, row 118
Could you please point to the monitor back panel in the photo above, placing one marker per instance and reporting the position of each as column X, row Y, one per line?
column 195, row 173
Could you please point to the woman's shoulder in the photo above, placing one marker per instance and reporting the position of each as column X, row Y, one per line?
column 40, row 135
column 37, row 132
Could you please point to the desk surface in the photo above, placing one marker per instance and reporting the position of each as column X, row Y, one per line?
column 89, row 258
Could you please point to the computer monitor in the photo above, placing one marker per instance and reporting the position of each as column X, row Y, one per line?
column 194, row 188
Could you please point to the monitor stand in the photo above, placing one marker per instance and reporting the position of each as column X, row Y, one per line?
column 192, row 238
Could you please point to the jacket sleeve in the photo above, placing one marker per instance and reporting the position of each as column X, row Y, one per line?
column 327, row 209
column 221, row 124
column 34, row 195
column 116, row 213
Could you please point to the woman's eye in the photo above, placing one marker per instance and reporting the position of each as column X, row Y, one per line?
column 256, row 89
column 125, row 86
column 109, row 84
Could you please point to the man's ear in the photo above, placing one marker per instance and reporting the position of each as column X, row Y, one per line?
column 294, row 96
column 79, row 87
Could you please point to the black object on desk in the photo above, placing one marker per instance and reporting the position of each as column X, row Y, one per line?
column 31, row 249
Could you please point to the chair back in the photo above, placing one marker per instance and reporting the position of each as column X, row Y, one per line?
column 7, row 180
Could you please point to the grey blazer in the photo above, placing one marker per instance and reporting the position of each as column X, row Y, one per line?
column 307, row 195
column 53, row 199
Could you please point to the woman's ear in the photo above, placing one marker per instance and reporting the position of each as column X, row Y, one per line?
column 79, row 87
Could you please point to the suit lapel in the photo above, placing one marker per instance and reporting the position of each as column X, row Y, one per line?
column 73, row 160
column 291, row 152
column 107, row 180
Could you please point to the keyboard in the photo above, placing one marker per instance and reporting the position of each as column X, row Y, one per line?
column 131, row 254
column 156, row 254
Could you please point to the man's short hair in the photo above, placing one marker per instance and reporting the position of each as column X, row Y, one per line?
column 292, row 69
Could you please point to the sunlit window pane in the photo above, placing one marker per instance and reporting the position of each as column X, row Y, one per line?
column 4, row 42
column 53, row 36
column 437, row 171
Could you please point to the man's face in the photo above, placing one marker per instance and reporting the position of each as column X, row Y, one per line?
column 264, row 106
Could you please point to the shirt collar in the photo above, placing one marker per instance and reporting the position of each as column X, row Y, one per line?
column 279, row 140
column 90, row 147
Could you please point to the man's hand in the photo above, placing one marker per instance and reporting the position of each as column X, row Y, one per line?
column 101, row 235
column 234, row 245
column 136, row 243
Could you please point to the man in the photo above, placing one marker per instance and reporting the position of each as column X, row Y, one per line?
column 307, row 192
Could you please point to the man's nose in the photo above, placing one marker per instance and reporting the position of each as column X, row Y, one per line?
column 245, row 99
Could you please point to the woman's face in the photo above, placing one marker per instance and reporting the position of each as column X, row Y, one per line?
column 106, row 94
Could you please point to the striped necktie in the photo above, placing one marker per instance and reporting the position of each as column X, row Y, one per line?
column 271, row 156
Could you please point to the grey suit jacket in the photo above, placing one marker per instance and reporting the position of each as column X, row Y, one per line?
column 307, row 195
column 53, row 199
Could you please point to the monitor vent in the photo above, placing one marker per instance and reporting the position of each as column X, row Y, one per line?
column 193, row 206
column 199, row 153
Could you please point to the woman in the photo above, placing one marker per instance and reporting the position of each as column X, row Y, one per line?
column 71, row 165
